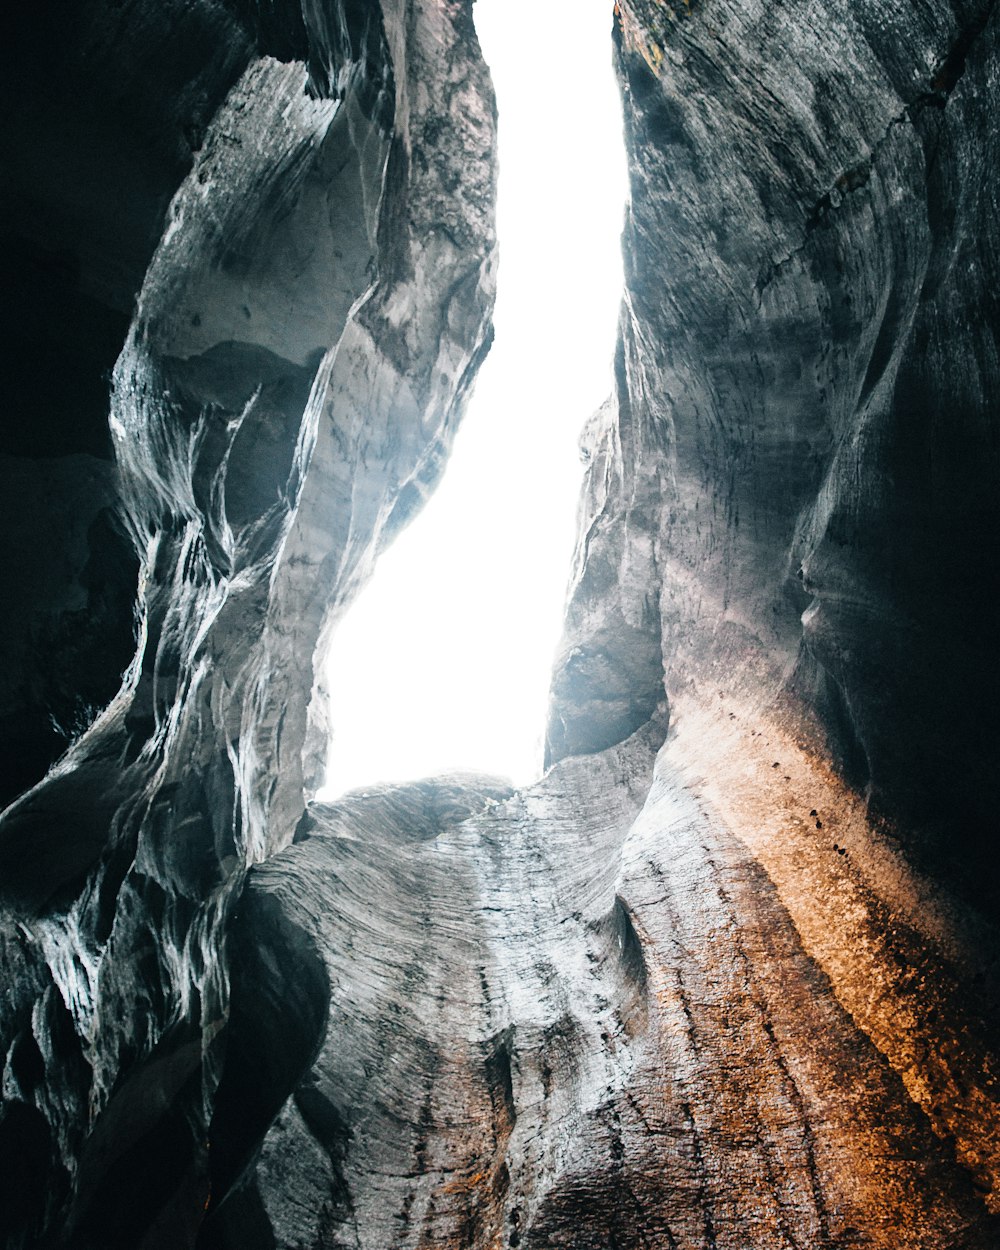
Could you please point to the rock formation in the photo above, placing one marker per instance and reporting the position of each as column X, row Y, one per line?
column 727, row 975
column 304, row 334
column 803, row 449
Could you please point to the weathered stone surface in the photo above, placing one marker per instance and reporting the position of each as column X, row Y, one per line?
column 303, row 339
column 582, row 1016
column 106, row 105
column 720, row 986
column 472, row 970
column 609, row 678
column 805, row 434
column 790, row 497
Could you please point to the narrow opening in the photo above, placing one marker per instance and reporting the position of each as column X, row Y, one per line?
column 444, row 660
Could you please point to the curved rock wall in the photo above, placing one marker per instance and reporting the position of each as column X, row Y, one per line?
column 806, row 392
column 787, row 533
column 726, row 977
column 727, row 991
column 106, row 109
column 303, row 339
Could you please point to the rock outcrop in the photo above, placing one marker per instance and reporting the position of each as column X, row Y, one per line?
column 583, row 1015
column 786, row 533
column 726, row 977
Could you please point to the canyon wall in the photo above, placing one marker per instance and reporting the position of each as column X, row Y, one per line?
column 803, row 449
column 788, row 533
column 727, row 975
column 301, row 207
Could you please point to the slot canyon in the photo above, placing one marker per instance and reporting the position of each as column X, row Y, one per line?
column 727, row 976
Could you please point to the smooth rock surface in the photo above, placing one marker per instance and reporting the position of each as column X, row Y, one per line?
column 803, row 448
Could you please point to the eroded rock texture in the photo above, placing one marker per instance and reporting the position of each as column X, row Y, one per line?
column 582, row 1016
column 726, row 977
column 305, row 330
column 787, row 529
column 803, row 454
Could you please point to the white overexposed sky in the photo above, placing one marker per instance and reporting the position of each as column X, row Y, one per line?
column 444, row 660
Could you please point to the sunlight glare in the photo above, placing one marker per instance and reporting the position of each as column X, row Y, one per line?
column 444, row 660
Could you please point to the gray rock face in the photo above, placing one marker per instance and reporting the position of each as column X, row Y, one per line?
column 477, row 965
column 582, row 1015
column 805, row 432
column 303, row 339
column 786, row 529
column 707, row 984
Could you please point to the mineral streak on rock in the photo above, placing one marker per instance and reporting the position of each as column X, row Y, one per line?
column 305, row 333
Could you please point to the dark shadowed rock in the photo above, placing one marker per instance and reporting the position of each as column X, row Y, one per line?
column 69, row 635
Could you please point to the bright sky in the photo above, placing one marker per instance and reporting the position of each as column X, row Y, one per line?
column 444, row 660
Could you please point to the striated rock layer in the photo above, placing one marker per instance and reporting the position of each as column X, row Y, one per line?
column 789, row 532
column 726, row 977
column 794, row 491
column 583, row 1016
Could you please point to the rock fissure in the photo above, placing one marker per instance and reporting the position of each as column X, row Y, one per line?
column 943, row 83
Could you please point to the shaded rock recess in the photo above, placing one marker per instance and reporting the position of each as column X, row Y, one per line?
column 726, row 977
